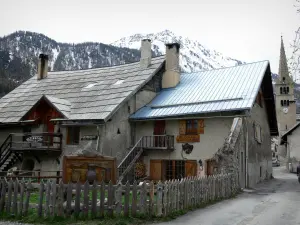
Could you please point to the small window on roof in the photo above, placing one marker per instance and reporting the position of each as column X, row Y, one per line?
column 119, row 82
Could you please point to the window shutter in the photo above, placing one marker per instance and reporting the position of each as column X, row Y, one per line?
column 200, row 126
column 182, row 127
column 190, row 168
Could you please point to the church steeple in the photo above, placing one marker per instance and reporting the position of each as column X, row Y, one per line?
column 285, row 101
column 283, row 71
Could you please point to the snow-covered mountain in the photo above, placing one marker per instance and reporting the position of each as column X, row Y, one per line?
column 193, row 55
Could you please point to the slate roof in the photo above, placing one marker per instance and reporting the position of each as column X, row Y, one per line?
column 225, row 89
column 93, row 94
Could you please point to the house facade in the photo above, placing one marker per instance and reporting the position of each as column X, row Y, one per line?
column 158, row 122
column 198, row 114
column 62, row 113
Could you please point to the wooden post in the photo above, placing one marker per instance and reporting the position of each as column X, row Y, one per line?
column 8, row 202
column 15, row 200
column 159, row 199
column 77, row 199
column 60, row 200
column 47, row 206
column 41, row 197
column 3, row 195
column 165, row 199
column 102, row 198
column 53, row 201
column 86, row 199
column 94, row 200
column 27, row 197
column 69, row 200
column 134, row 199
column 151, row 198
column 110, row 199
column 126, row 200
column 21, row 197
column 118, row 199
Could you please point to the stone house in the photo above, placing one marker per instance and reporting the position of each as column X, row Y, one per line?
column 58, row 113
column 209, row 122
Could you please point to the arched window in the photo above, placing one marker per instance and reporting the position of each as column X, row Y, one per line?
column 284, row 90
column 288, row 102
column 283, row 79
column 281, row 102
column 288, row 90
column 280, row 90
column 284, row 102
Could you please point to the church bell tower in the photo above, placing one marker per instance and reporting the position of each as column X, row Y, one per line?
column 285, row 100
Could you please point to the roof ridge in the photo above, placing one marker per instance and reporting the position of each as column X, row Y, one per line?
column 227, row 67
column 104, row 67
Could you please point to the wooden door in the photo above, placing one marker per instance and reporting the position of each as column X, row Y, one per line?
column 190, row 168
column 159, row 129
column 210, row 166
column 50, row 129
column 156, row 170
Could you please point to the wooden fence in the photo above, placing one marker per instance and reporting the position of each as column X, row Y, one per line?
column 20, row 198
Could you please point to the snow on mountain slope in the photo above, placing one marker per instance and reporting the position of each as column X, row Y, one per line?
column 193, row 55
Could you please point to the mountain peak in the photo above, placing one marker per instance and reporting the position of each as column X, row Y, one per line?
column 193, row 55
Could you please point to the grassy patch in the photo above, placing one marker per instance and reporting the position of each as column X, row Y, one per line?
column 33, row 218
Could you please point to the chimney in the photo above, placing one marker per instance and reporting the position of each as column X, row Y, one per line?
column 171, row 76
column 145, row 53
column 42, row 67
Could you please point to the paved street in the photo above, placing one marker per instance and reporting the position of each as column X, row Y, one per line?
column 276, row 202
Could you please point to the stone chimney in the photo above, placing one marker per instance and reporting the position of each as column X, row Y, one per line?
column 42, row 67
column 145, row 53
column 171, row 76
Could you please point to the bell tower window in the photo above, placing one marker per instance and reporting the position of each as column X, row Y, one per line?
column 283, row 79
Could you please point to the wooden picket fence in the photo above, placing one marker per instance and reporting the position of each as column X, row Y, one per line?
column 20, row 197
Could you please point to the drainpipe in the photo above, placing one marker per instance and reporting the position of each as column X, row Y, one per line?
column 98, row 139
column 246, row 155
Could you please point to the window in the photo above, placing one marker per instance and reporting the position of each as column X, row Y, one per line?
column 280, row 90
column 283, row 79
column 73, row 135
column 257, row 133
column 172, row 169
column 287, row 90
column 285, row 102
column 192, row 127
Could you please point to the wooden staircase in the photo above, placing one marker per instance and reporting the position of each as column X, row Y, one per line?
column 146, row 143
column 130, row 159
column 7, row 157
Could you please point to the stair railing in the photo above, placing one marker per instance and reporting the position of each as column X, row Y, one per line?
column 129, row 160
column 4, row 150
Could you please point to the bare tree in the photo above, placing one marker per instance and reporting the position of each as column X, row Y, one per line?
column 294, row 61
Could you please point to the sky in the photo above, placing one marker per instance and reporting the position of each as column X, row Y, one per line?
column 248, row 30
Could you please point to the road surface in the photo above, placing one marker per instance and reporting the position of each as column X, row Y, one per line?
column 276, row 202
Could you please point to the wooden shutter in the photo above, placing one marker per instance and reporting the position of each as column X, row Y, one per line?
column 156, row 170
column 190, row 168
column 200, row 126
column 182, row 127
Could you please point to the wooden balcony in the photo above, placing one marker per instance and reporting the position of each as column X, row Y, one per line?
column 22, row 142
column 158, row 142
